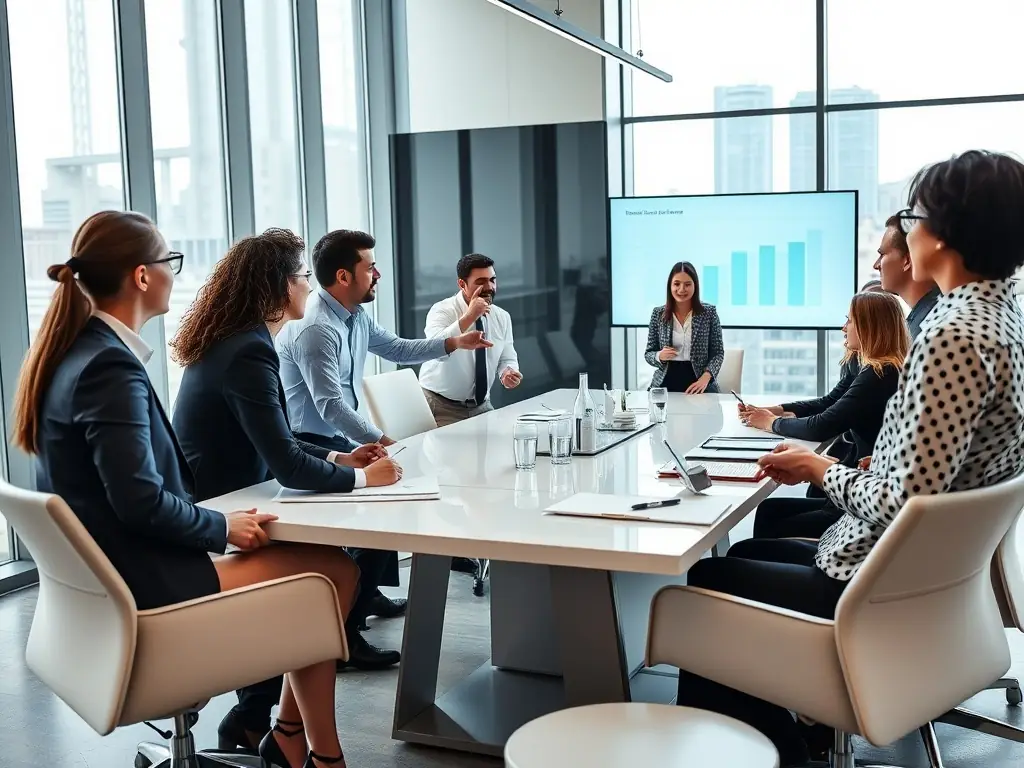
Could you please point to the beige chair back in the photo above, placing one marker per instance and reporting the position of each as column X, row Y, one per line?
column 83, row 636
column 730, row 378
column 397, row 404
column 923, row 602
column 1008, row 577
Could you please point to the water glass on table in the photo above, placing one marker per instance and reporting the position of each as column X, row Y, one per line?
column 659, row 404
column 560, row 440
column 524, row 444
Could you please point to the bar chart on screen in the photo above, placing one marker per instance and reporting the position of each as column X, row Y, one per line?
column 776, row 275
column 765, row 260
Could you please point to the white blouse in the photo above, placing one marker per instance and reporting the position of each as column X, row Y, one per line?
column 956, row 421
column 682, row 336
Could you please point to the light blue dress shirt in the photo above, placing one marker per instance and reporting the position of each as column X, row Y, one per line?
column 322, row 360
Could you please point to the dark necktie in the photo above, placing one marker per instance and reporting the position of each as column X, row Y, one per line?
column 481, row 368
column 350, row 322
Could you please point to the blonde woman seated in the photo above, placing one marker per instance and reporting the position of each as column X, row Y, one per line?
column 878, row 340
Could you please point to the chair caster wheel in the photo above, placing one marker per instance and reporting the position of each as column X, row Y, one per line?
column 478, row 590
column 1013, row 696
column 141, row 761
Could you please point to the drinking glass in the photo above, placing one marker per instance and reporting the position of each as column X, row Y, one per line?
column 560, row 440
column 659, row 404
column 524, row 444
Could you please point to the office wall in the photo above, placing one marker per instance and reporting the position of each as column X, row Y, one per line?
column 470, row 64
column 534, row 200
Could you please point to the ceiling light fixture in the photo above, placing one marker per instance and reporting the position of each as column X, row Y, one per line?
column 553, row 22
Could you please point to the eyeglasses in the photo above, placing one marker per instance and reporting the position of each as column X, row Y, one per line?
column 174, row 260
column 305, row 275
column 908, row 218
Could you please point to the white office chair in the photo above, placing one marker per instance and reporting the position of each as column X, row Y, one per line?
column 115, row 665
column 397, row 404
column 730, row 378
column 917, row 631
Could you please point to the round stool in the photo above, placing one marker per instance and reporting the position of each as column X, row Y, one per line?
column 629, row 735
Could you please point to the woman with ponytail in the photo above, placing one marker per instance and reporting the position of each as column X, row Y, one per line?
column 86, row 409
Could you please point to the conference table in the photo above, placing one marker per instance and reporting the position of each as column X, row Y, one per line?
column 569, row 596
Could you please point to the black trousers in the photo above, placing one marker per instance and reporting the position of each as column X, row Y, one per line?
column 376, row 568
column 776, row 572
column 785, row 518
column 679, row 375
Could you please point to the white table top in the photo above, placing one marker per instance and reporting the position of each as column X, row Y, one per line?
column 490, row 510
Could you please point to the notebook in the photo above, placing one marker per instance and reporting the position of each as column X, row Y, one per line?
column 423, row 488
column 692, row 510
column 731, row 471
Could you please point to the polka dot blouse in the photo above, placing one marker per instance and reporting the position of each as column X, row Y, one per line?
column 956, row 421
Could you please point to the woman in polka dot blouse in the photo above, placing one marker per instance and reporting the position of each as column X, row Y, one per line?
column 956, row 421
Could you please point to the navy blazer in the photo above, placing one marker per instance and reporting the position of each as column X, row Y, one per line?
column 707, row 351
column 856, row 405
column 230, row 417
column 107, row 448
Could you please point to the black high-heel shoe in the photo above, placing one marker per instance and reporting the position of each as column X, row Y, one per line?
column 232, row 735
column 270, row 751
column 340, row 759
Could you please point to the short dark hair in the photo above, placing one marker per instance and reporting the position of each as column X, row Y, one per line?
column 339, row 250
column 899, row 237
column 472, row 261
column 974, row 203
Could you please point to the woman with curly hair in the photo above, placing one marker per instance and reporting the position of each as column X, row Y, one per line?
column 230, row 417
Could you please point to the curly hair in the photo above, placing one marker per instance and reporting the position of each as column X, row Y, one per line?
column 248, row 286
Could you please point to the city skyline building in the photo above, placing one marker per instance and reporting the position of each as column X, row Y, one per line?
column 743, row 146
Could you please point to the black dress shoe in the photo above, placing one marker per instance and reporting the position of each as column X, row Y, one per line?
column 385, row 607
column 365, row 656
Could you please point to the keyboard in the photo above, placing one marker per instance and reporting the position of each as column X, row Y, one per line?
column 741, row 471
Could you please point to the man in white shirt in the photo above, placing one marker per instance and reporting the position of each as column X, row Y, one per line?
column 458, row 387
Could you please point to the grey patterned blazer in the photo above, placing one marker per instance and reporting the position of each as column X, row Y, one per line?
column 707, row 352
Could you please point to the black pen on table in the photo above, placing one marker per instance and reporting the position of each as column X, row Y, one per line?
column 733, row 393
column 400, row 449
column 655, row 504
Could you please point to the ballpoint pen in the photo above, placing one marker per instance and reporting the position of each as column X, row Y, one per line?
column 656, row 504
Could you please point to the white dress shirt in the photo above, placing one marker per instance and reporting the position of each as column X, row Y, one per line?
column 682, row 336
column 454, row 377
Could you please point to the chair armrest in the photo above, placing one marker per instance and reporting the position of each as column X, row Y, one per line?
column 201, row 648
column 782, row 656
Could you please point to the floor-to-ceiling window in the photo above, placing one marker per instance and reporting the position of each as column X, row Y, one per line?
column 77, row 104
column 750, row 93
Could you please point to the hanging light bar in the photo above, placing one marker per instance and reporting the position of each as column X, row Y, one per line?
column 591, row 42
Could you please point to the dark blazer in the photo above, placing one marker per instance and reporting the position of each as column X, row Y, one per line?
column 230, row 417
column 107, row 448
column 707, row 352
column 856, row 404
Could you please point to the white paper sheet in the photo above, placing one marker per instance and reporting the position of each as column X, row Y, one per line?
column 423, row 488
column 691, row 510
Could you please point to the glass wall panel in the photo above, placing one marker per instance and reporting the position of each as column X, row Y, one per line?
column 741, row 54
column 184, row 84
column 67, row 126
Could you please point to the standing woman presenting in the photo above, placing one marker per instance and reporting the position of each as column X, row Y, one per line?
column 684, row 340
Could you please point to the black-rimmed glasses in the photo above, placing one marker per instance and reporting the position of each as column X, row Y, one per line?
column 303, row 275
column 174, row 260
column 908, row 218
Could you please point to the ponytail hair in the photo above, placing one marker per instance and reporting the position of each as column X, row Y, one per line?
column 106, row 247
